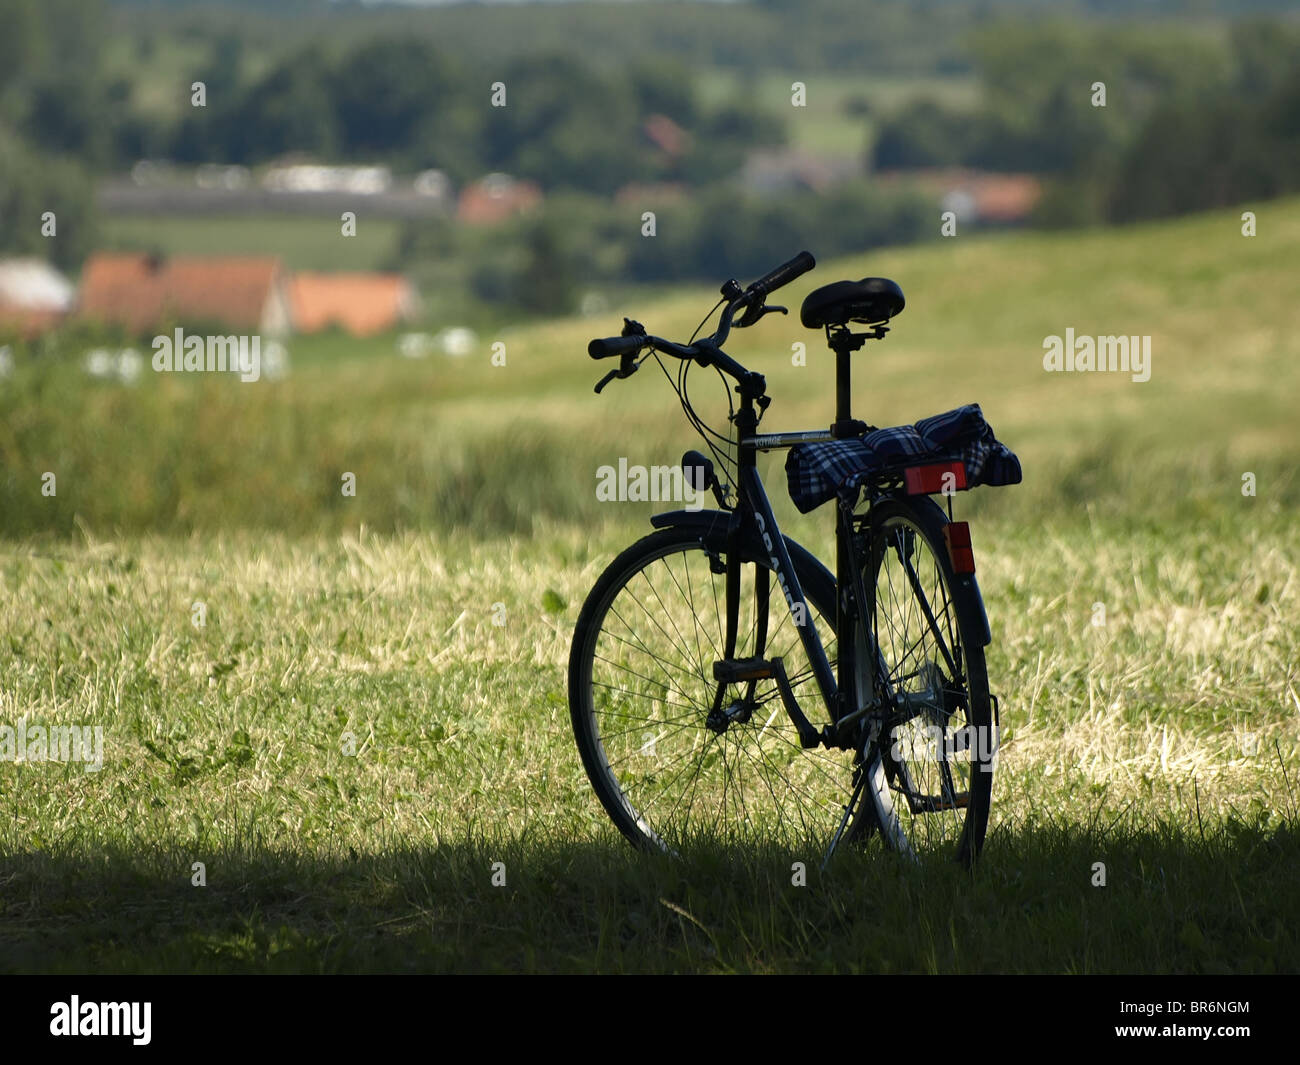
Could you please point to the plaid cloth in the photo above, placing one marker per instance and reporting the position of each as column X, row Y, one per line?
column 816, row 472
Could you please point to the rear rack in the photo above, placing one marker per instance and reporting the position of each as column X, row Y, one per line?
column 918, row 478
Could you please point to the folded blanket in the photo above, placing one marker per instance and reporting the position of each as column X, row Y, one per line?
column 816, row 472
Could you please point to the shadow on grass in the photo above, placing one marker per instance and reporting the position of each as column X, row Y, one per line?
column 1224, row 901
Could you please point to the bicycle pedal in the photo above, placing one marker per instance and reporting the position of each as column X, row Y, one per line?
column 739, row 670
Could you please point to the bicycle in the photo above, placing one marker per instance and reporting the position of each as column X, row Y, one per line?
column 690, row 704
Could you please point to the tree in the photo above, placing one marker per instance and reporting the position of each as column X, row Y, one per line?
column 31, row 185
column 546, row 282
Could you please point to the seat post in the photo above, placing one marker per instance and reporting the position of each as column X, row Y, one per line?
column 843, row 390
column 844, row 343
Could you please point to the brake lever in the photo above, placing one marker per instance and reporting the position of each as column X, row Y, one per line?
column 627, row 366
column 755, row 312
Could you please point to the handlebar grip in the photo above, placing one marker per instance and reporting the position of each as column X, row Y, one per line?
column 610, row 347
column 784, row 274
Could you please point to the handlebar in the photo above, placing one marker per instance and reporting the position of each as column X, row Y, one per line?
column 708, row 351
column 783, row 274
column 611, row 346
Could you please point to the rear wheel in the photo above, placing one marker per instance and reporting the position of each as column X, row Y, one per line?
column 669, row 770
column 930, row 774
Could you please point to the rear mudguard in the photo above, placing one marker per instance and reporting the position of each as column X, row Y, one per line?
column 926, row 505
column 984, row 634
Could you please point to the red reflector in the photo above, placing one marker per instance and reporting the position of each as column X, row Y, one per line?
column 957, row 536
column 944, row 477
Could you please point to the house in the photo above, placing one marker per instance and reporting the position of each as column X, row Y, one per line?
column 495, row 198
column 1006, row 198
column 975, row 195
column 33, row 296
column 772, row 171
column 142, row 292
column 997, row 199
column 359, row 304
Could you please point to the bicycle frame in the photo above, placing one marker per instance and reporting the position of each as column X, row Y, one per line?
column 753, row 504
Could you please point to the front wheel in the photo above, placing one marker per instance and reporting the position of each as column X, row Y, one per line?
column 669, row 768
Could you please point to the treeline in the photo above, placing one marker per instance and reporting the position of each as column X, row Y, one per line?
column 1127, row 124
column 543, row 263
column 755, row 36
column 564, row 123
column 558, row 119
column 550, row 118
column 1195, row 115
column 802, row 37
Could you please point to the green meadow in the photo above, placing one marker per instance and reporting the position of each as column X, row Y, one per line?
column 374, row 773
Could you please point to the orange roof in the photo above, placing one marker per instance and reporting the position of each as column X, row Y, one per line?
column 1007, row 198
column 140, row 291
column 360, row 304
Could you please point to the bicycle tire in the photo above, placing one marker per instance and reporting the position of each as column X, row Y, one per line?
column 816, row 785
column 895, row 799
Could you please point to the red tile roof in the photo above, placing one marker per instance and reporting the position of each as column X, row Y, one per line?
column 140, row 291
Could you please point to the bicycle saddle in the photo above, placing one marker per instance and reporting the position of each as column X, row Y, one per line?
column 871, row 300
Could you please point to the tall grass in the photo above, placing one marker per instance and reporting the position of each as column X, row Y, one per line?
column 445, row 443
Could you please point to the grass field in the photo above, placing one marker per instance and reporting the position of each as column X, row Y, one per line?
column 350, row 741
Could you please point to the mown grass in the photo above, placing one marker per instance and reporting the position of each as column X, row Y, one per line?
column 1161, row 742
column 1162, row 745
